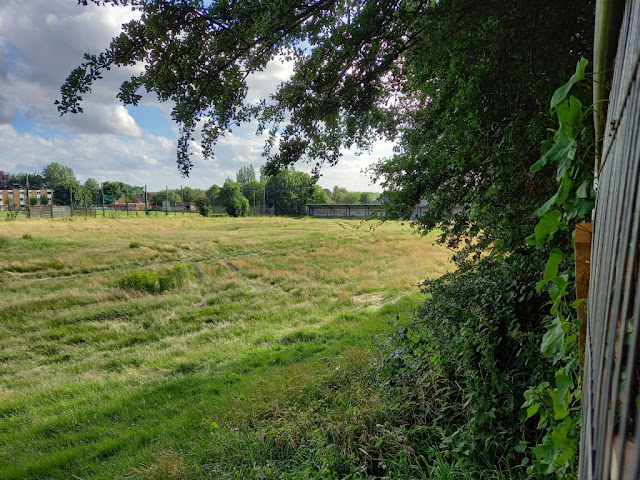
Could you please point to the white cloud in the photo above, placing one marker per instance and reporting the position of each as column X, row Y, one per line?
column 41, row 41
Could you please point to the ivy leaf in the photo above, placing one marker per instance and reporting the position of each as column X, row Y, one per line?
column 561, row 93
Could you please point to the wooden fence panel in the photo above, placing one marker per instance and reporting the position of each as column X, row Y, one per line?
column 611, row 386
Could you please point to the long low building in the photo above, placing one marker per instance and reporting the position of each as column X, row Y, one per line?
column 373, row 209
column 361, row 210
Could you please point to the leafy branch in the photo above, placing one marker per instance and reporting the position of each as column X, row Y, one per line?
column 557, row 401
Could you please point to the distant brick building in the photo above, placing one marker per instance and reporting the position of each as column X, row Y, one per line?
column 19, row 197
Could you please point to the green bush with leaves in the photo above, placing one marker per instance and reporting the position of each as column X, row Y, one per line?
column 157, row 281
column 469, row 358
column 556, row 399
column 203, row 206
column 237, row 205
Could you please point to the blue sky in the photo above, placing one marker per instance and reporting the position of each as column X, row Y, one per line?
column 41, row 41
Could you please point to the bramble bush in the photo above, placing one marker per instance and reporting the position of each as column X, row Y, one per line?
column 467, row 360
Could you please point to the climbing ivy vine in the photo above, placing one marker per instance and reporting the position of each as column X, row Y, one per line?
column 557, row 401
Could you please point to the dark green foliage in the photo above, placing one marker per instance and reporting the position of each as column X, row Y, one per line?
column 203, row 205
column 290, row 190
column 134, row 245
column 113, row 188
column 484, row 81
column 470, row 357
column 346, row 425
column 342, row 195
column 245, row 175
column 231, row 198
column 157, row 281
column 556, row 398
column 57, row 175
column 319, row 195
column 238, row 205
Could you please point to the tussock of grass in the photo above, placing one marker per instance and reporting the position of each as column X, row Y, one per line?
column 157, row 281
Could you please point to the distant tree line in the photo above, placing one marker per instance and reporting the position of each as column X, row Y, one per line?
column 286, row 193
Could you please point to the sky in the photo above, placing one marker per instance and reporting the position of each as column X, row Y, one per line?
column 41, row 41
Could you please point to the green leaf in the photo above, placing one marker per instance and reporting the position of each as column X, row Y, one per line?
column 570, row 117
column 558, row 152
column 561, row 93
column 561, row 396
column 532, row 410
column 564, row 189
column 548, row 225
column 553, row 339
column 547, row 205
column 551, row 269
column 584, row 206
column 584, row 189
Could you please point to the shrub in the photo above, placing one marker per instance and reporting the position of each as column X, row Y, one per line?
column 466, row 362
column 237, row 205
column 27, row 236
column 134, row 245
column 203, row 206
column 157, row 281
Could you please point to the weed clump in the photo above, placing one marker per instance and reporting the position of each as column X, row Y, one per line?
column 157, row 281
column 4, row 242
column 134, row 245
column 27, row 236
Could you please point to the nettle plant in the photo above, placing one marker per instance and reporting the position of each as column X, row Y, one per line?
column 557, row 401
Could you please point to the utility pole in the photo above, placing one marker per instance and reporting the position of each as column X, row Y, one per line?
column 166, row 198
column 102, row 192
column 28, row 198
column 146, row 208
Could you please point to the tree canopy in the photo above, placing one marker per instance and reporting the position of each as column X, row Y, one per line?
column 57, row 176
column 462, row 85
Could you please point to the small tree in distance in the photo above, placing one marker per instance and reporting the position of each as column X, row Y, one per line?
column 203, row 206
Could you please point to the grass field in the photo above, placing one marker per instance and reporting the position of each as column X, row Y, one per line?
column 99, row 381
